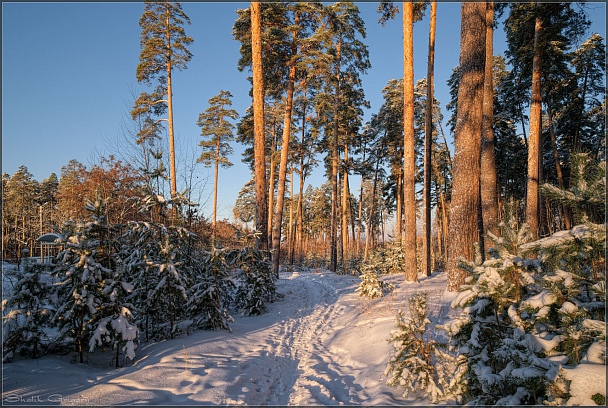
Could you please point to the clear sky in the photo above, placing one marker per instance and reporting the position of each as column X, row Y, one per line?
column 68, row 78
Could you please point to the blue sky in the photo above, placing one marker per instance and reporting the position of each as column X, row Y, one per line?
column 68, row 74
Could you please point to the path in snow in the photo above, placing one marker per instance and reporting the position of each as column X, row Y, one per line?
column 317, row 346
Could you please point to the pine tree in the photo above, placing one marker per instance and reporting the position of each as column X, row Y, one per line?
column 163, row 48
column 523, row 319
column 215, row 126
column 156, row 258
column 116, row 327
column 258, row 124
column 82, row 267
column 256, row 282
column 371, row 286
column 488, row 180
column 417, row 362
column 205, row 305
column 428, row 143
column 25, row 313
column 463, row 230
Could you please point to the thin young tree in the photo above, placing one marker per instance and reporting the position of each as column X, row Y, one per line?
column 218, row 132
column 163, row 48
column 534, row 141
column 463, row 229
column 488, row 183
column 428, row 143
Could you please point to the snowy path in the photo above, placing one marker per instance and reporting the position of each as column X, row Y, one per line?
column 318, row 346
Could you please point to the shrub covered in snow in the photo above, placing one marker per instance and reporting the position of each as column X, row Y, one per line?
column 206, row 306
column 372, row 286
column 25, row 312
column 418, row 362
column 526, row 322
column 82, row 269
column 255, row 281
column 387, row 259
column 156, row 258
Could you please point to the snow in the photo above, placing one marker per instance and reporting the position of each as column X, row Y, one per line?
column 596, row 354
column 587, row 380
column 320, row 345
column 542, row 299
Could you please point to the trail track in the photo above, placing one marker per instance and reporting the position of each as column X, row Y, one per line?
column 317, row 346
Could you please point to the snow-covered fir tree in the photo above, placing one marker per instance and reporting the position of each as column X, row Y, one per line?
column 116, row 326
column 155, row 258
column 206, row 306
column 418, row 362
column 255, row 281
column 526, row 322
column 82, row 268
column 371, row 285
column 25, row 312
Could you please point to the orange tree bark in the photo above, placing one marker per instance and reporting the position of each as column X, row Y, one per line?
column 258, row 127
column 409, row 154
column 463, row 229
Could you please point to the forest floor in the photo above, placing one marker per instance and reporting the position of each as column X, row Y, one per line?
column 321, row 344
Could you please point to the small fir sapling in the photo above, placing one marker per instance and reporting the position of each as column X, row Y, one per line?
column 372, row 286
column 205, row 306
column 116, row 328
column 503, row 363
column 388, row 259
column 25, row 312
column 418, row 362
column 81, row 268
column 523, row 318
column 255, row 281
column 157, row 261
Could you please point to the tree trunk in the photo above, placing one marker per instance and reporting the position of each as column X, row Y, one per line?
column 300, row 214
column 489, row 194
column 399, row 202
column 534, row 146
column 258, row 128
column 278, row 212
column 463, row 229
column 345, row 207
column 558, row 170
column 291, row 233
column 170, row 115
column 271, row 178
column 428, row 144
column 333, row 254
column 360, row 215
column 409, row 153
column 577, row 129
column 215, row 179
column 370, row 223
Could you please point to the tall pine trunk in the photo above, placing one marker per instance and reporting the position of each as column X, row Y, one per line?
column 170, row 115
column 215, row 180
column 558, row 169
column 534, row 146
column 292, row 230
column 409, row 153
column 489, row 194
column 278, row 212
column 258, row 128
column 463, row 229
column 345, row 207
column 271, row 178
column 333, row 254
column 428, row 144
